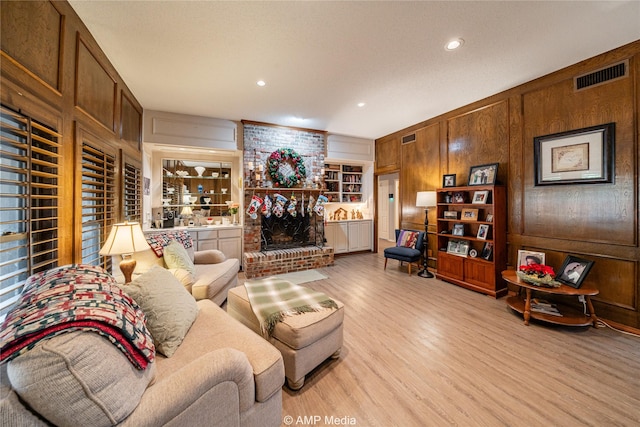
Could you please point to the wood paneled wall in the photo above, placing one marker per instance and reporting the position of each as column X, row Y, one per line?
column 594, row 221
column 54, row 71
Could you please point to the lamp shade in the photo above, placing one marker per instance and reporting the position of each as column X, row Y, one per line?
column 426, row 199
column 186, row 211
column 125, row 238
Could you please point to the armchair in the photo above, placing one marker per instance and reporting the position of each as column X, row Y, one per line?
column 408, row 248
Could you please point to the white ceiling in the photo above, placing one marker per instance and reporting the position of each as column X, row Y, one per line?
column 320, row 58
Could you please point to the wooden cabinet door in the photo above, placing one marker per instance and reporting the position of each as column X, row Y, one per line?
column 451, row 265
column 479, row 273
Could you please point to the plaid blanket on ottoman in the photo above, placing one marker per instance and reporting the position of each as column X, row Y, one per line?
column 71, row 298
column 272, row 299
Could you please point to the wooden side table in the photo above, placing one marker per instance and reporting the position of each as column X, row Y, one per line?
column 570, row 316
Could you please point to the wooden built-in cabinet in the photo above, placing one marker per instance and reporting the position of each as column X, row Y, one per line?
column 343, row 183
column 349, row 236
column 471, row 237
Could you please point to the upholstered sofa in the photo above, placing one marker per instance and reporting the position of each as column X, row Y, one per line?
column 214, row 273
column 220, row 374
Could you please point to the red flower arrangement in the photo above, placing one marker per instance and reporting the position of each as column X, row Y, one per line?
column 538, row 274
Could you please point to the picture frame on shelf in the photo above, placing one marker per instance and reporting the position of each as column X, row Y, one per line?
column 458, row 230
column 449, row 180
column 530, row 257
column 489, row 217
column 469, row 214
column 581, row 156
column 450, row 215
column 483, row 232
column 573, row 271
column 483, row 174
column 487, row 251
column 459, row 197
column 458, row 247
column 480, row 197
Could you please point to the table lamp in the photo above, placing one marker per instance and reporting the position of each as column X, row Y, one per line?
column 426, row 199
column 125, row 239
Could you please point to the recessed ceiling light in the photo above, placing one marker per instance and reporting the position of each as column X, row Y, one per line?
column 454, row 44
column 261, row 83
column 361, row 104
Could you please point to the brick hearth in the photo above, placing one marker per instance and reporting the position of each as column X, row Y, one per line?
column 258, row 264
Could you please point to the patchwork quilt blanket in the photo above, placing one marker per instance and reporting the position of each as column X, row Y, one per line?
column 76, row 297
column 158, row 241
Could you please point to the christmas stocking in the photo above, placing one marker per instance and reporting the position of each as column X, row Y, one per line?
column 278, row 206
column 254, row 205
column 319, row 207
column 293, row 202
column 302, row 205
column 266, row 206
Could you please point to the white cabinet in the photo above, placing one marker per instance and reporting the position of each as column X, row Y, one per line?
column 360, row 236
column 226, row 240
column 349, row 236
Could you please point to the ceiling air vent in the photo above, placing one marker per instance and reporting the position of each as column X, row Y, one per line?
column 602, row 75
column 408, row 138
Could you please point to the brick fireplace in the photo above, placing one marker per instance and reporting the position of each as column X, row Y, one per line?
column 260, row 140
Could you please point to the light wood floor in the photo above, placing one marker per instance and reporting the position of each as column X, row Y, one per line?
column 421, row 352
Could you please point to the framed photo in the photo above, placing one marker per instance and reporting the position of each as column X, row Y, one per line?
column 489, row 218
column 483, row 174
column 458, row 197
column 480, row 197
column 530, row 257
column 573, row 271
column 458, row 230
column 483, row 231
column 583, row 156
column 487, row 251
column 450, row 214
column 469, row 214
column 449, row 180
column 458, row 247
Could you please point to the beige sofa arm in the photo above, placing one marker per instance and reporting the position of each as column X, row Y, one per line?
column 209, row 256
column 211, row 390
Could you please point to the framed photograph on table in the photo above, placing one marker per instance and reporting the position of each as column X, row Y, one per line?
column 483, row 174
column 573, row 271
column 530, row 257
column 582, row 156
column 449, row 180
column 480, row 197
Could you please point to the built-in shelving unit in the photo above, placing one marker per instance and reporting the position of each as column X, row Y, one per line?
column 343, row 183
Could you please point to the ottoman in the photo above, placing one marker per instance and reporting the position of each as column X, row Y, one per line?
column 304, row 340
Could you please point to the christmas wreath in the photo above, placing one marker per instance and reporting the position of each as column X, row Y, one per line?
column 293, row 159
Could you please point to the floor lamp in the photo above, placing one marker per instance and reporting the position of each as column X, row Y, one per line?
column 426, row 199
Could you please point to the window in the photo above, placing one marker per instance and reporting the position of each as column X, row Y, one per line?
column 132, row 193
column 29, row 173
column 98, row 202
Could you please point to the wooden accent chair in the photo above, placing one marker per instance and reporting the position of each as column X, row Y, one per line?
column 407, row 249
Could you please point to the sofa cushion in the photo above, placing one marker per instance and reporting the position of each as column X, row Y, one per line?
column 215, row 329
column 79, row 379
column 176, row 256
column 212, row 278
column 209, row 256
column 168, row 306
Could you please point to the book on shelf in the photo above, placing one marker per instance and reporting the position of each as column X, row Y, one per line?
column 544, row 307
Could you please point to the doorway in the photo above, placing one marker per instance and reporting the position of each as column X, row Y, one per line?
column 388, row 206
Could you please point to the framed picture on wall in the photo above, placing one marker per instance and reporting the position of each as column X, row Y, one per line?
column 483, row 174
column 449, row 180
column 582, row 156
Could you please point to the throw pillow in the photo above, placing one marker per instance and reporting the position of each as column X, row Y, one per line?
column 169, row 308
column 176, row 256
column 79, row 379
column 183, row 276
column 407, row 239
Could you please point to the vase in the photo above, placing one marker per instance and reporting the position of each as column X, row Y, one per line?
column 234, row 219
column 200, row 170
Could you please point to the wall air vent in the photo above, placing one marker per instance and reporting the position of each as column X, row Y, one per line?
column 601, row 76
column 409, row 138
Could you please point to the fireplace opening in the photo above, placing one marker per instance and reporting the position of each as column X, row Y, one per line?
column 289, row 232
